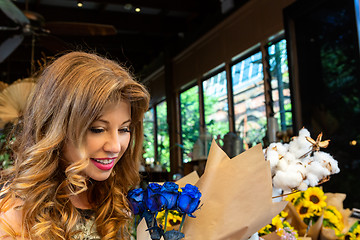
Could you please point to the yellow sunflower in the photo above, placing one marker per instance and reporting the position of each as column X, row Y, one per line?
column 348, row 236
column 283, row 214
column 317, row 198
column 293, row 197
column 266, row 230
column 305, row 210
column 334, row 211
column 277, row 222
column 333, row 219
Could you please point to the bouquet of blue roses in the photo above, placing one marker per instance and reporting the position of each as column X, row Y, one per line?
column 167, row 197
column 236, row 200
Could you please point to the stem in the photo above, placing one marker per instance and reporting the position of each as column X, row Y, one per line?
column 135, row 224
column 153, row 224
column 283, row 195
column 182, row 222
column 166, row 215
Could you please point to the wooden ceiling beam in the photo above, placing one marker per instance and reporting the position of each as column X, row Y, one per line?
column 124, row 22
column 181, row 6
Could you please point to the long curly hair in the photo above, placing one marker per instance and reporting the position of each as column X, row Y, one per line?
column 70, row 94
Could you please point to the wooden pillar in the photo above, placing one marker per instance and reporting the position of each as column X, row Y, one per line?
column 267, row 82
column 173, row 117
column 230, row 96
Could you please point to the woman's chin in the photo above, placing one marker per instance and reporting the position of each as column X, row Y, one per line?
column 97, row 174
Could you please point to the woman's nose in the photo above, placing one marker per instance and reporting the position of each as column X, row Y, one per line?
column 112, row 144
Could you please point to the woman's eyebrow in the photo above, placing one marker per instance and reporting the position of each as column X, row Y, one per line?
column 127, row 121
column 107, row 122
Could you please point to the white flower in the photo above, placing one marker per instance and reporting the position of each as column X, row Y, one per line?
column 298, row 165
column 287, row 180
column 303, row 186
column 299, row 146
column 327, row 161
column 315, row 172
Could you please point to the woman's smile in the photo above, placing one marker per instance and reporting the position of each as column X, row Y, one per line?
column 103, row 163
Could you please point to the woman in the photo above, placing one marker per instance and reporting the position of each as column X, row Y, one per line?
column 77, row 153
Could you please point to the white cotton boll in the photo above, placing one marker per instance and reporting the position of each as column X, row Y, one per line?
column 272, row 156
column 287, row 180
column 298, row 172
column 267, row 150
column 300, row 167
column 334, row 166
column 300, row 152
column 313, row 179
column 272, row 146
column 282, row 165
column 282, row 149
column 326, row 160
column 303, row 186
column 304, row 133
column 306, row 182
column 299, row 145
column 316, row 169
column 294, row 167
column 290, row 158
column 280, row 181
column 306, row 161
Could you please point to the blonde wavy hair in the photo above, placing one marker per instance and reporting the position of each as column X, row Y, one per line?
column 70, row 94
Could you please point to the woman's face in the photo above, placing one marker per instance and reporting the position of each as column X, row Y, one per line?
column 106, row 141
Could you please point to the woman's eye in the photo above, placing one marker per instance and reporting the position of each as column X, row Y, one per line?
column 96, row 130
column 124, row 130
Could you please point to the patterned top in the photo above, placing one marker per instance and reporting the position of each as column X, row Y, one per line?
column 86, row 226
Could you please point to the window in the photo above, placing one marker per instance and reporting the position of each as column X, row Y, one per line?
column 190, row 120
column 216, row 105
column 156, row 151
column 163, row 151
column 280, row 84
column 148, row 145
column 249, row 99
column 249, row 109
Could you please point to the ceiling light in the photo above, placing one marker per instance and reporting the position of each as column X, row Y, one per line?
column 80, row 4
column 128, row 6
column 137, row 9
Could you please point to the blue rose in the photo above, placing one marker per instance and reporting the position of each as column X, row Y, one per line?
column 154, row 201
column 136, row 197
column 189, row 199
column 170, row 191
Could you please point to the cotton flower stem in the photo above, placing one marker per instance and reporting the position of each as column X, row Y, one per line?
column 182, row 222
column 166, row 216
column 283, row 195
column 309, row 152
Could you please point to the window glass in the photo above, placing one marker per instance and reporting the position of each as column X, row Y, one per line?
column 216, row 105
column 280, row 84
column 149, row 143
column 190, row 123
column 163, row 136
column 249, row 100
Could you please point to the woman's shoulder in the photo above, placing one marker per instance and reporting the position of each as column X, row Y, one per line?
column 10, row 217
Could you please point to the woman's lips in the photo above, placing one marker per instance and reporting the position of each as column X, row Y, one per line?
column 104, row 164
